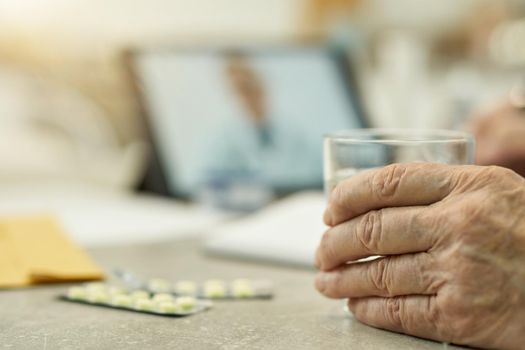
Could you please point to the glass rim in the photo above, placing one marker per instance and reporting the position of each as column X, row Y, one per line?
column 401, row 136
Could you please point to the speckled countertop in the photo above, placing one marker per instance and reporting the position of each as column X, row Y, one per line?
column 297, row 318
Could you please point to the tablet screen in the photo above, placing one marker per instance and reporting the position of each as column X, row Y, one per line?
column 250, row 115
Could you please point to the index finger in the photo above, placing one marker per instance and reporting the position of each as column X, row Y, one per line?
column 395, row 185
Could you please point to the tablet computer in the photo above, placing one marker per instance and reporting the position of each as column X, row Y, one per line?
column 242, row 112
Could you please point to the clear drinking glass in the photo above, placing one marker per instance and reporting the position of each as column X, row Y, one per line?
column 348, row 152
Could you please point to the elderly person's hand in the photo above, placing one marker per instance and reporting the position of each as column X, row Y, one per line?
column 452, row 241
column 500, row 137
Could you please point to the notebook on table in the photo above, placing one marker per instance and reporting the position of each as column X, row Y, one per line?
column 286, row 232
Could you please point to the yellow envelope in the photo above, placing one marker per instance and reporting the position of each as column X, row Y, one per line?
column 36, row 250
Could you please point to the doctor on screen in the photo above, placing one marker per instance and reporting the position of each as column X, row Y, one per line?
column 257, row 145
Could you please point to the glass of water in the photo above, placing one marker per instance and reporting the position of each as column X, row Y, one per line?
column 349, row 152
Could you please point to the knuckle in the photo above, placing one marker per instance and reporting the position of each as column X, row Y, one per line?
column 430, row 281
column 432, row 312
column 379, row 275
column 504, row 177
column 463, row 326
column 394, row 312
column 460, row 218
column 486, row 176
column 369, row 230
column 495, row 172
column 451, row 304
column 461, row 319
column 434, row 316
column 452, row 309
column 385, row 182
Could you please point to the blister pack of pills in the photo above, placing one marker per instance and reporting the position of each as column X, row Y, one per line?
column 213, row 289
column 164, row 304
column 240, row 288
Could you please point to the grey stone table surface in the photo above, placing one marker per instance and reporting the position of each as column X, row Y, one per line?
column 297, row 318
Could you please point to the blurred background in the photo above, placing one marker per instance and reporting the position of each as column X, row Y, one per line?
column 77, row 137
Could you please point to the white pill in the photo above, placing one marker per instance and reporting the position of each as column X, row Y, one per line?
column 186, row 288
column 243, row 291
column 139, row 294
column 116, row 290
column 98, row 297
column 159, row 285
column 215, row 291
column 163, row 297
column 186, row 303
column 144, row 304
column 167, row 307
column 122, row 300
column 77, row 293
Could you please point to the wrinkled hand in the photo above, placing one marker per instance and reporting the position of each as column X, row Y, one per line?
column 453, row 245
column 500, row 137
